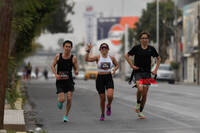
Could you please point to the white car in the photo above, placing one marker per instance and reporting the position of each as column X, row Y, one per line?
column 81, row 75
column 166, row 73
column 20, row 74
column 51, row 75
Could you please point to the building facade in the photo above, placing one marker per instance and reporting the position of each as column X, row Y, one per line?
column 190, row 42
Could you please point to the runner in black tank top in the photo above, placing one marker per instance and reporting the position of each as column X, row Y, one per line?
column 64, row 69
column 64, row 81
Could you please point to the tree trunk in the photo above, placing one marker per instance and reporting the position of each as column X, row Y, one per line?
column 5, row 28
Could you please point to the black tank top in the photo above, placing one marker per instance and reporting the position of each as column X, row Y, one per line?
column 64, row 67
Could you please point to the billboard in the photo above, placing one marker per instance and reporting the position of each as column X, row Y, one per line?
column 113, row 27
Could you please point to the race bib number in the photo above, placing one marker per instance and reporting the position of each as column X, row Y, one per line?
column 105, row 65
column 64, row 75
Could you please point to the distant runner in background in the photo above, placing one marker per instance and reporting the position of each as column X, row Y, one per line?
column 45, row 73
column 29, row 70
column 37, row 72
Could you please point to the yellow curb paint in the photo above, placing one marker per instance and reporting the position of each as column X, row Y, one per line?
column 18, row 104
column 19, row 101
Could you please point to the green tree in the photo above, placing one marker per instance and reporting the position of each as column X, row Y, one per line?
column 147, row 22
column 30, row 18
column 59, row 21
column 21, row 21
column 28, row 21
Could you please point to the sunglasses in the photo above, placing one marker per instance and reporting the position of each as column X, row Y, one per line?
column 104, row 47
column 144, row 38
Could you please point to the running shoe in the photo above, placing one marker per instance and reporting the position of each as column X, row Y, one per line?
column 102, row 117
column 137, row 108
column 141, row 115
column 59, row 105
column 108, row 112
column 65, row 118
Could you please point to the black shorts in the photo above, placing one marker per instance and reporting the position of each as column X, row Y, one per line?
column 103, row 82
column 64, row 86
column 143, row 77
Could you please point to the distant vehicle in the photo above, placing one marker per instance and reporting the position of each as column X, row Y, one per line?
column 91, row 73
column 116, row 74
column 51, row 75
column 20, row 74
column 81, row 75
column 33, row 75
column 166, row 73
column 128, row 75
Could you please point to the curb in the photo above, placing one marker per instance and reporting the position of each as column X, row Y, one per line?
column 3, row 131
column 14, row 119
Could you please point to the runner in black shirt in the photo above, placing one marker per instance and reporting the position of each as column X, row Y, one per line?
column 142, row 67
column 64, row 81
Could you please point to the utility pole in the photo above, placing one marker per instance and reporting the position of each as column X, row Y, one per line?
column 176, row 37
column 198, row 63
column 157, row 24
column 176, row 41
column 126, row 48
column 5, row 31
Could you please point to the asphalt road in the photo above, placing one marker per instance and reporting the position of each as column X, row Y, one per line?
column 169, row 109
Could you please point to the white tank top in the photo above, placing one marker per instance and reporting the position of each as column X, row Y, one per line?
column 104, row 64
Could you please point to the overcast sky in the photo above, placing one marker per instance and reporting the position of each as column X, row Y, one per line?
column 109, row 8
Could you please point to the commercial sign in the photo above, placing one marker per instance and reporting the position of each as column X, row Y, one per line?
column 113, row 27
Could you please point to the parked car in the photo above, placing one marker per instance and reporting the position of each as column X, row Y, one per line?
column 128, row 75
column 20, row 74
column 91, row 73
column 166, row 73
column 81, row 75
column 116, row 74
column 51, row 75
